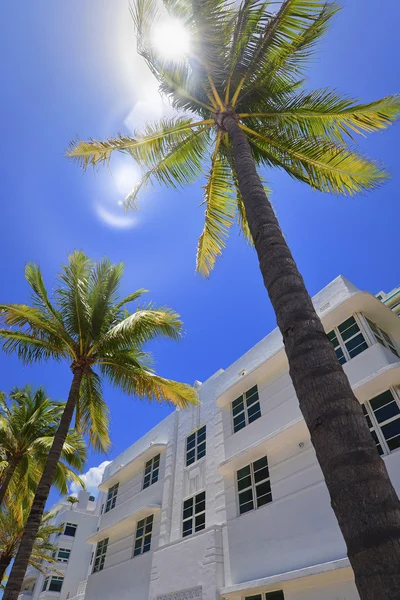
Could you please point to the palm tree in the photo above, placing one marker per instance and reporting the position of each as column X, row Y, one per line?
column 27, row 427
column 11, row 531
column 72, row 500
column 90, row 328
column 242, row 107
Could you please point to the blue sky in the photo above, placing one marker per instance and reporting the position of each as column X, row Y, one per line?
column 69, row 69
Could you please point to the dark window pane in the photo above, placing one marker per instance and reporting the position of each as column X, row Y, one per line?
column 256, row 597
column 243, row 472
column 191, row 444
column 244, row 482
column 238, row 409
column 264, row 500
column 251, row 391
column 200, row 506
column 358, row 350
column 260, row 463
column 154, row 478
column 137, row 551
column 254, row 416
column 70, row 530
column 387, row 412
column 253, row 409
column 275, row 595
column 391, row 429
column 237, row 402
column 200, row 522
column 350, row 332
column 244, row 508
column 250, row 401
column 261, row 475
column 263, row 488
column 147, row 470
column 381, row 400
column 156, row 460
column 355, row 342
column 394, row 443
column 346, row 324
column 245, row 497
column 187, row 503
column 340, row 356
column 201, row 452
column 138, row 543
column 332, row 337
column 239, row 422
column 187, row 527
column 200, row 497
column 188, row 512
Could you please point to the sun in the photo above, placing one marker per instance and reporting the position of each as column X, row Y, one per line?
column 171, row 40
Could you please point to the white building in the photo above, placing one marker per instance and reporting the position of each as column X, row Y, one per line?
column 73, row 555
column 227, row 500
column 391, row 299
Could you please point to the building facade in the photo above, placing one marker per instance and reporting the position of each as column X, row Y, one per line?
column 227, row 500
column 392, row 300
column 73, row 554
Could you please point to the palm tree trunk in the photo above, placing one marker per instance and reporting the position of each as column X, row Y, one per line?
column 5, row 480
column 35, row 518
column 4, row 563
column 362, row 496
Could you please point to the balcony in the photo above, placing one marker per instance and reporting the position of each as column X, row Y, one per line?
column 373, row 371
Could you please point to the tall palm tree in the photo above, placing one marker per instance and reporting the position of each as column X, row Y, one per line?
column 90, row 328
column 11, row 530
column 27, row 427
column 242, row 107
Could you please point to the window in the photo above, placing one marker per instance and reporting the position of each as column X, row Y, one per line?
column 151, row 471
column 70, row 529
column 196, row 445
column 383, row 418
column 101, row 552
column 194, row 514
column 55, row 584
column 382, row 337
column 62, row 554
column 111, row 497
column 254, row 485
column 246, row 409
column 278, row 595
column 143, row 535
column 347, row 340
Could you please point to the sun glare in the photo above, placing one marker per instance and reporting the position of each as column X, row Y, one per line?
column 171, row 40
column 126, row 177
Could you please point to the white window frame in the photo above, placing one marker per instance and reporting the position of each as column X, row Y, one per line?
column 381, row 336
column 198, row 446
column 47, row 583
column 376, row 427
column 266, row 596
column 148, row 523
column 153, row 471
column 73, row 525
column 111, row 497
column 57, row 552
column 253, row 487
column 194, row 514
column 342, row 343
column 100, row 555
column 245, row 408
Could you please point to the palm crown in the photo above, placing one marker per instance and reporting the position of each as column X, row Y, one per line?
column 28, row 423
column 247, row 62
column 88, row 325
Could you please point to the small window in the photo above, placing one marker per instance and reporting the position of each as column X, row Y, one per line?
column 246, row 409
column 53, row 584
column 383, row 418
column 194, row 514
column 112, row 497
column 92, row 498
column 143, row 535
column 62, row 554
column 196, row 445
column 100, row 558
column 278, row 595
column 382, row 337
column 254, row 485
column 347, row 340
column 151, row 471
column 70, row 529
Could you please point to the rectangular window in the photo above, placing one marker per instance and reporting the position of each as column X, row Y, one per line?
column 382, row 337
column 62, row 554
column 196, row 445
column 70, row 529
column 246, row 409
column 194, row 514
column 55, row 584
column 383, row 418
column 254, row 485
column 151, row 471
column 143, row 535
column 111, row 497
column 100, row 558
column 278, row 595
column 347, row 340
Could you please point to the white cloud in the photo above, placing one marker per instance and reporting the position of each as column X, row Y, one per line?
column 92, row 479
column 113, row 219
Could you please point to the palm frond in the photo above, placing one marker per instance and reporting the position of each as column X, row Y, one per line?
column 219, row 214
column 29, row 348
column 92, row 412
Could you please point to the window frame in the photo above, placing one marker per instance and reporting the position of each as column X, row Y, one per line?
column 244, row 399
column 376, row 426
column 381, row 336
column 267, row 596
column 154, row 471
column 253, row 486
column 148, row 524
column 192, row 517
column 48, row 581
column 197, row 444
column 74, row 526
column 100, row 555
column 112, row 495
column 342, row 343
column 62, row 560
